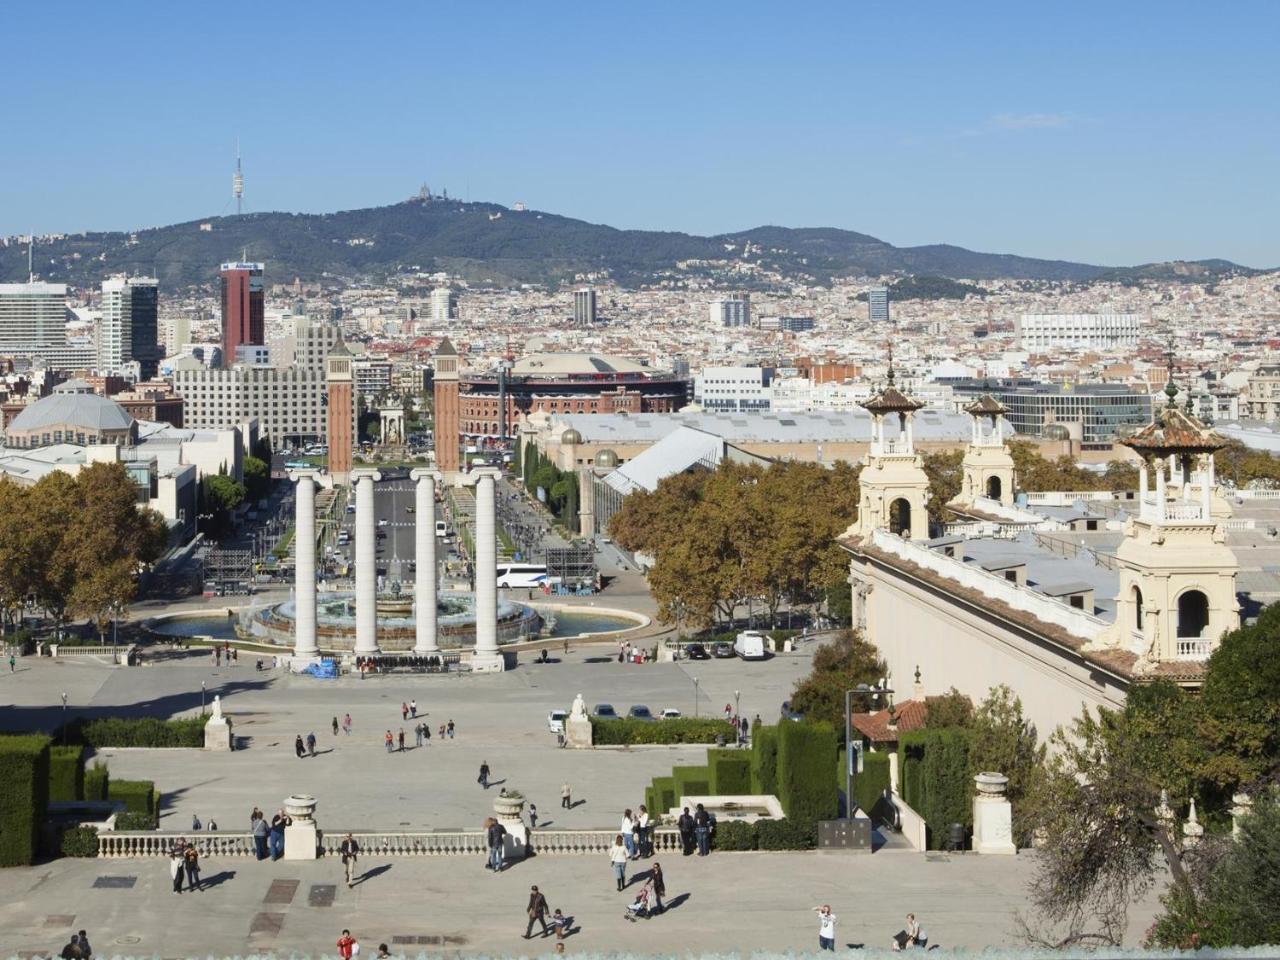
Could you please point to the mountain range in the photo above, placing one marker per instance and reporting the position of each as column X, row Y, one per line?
column 489, row 244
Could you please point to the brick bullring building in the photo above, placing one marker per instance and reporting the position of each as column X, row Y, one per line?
column 560, row 383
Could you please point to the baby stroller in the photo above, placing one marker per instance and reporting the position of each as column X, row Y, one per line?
column 639, row 907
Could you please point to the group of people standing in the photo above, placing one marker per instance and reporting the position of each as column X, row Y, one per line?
column 696, row 830
column 184, row 861
column 268, row 837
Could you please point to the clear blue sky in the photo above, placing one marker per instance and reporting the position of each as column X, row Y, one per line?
column 1115, row 132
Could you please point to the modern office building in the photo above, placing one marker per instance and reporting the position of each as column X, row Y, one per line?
column 444, row 304
column 1092, row 414
column 733, row 389
column 128, row 330
column 32, row 316
column 795, row 324
column 734, row 311
column 244, row 314
column 878, row 304
column 584, row 307
column 1077, row 331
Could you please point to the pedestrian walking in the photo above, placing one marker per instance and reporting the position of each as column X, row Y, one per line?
column 426, row 731
column 196, row 825
column 417, row 735
column 533, row 815
column 566, row 797
column 483, row 779
column 311, row 744
column 441, row 731
column 702, row 830
column 404, row 711
column 388, row 740
column 176, row 868
column 728, row 710
column 685, row 825
column 537, row 910
column 346, row 724
column 400, row 737
column 347, row 945
column 260, row 829
column 12, row 661
column 560, row 924
column 450, row 729
column 191, row 861
column 659, row 883
column 298, row 748
column 618, row 858
column 350, row 851
column 413, row 708
column 826, row 927
column 213, row 825
column 335, row 726
column 628, row 834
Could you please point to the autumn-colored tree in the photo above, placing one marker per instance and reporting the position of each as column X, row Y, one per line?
column 946, row 477
column 838, row 665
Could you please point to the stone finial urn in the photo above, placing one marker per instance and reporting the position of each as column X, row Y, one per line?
column 509, row 805
column 300, row 807
column 991, row 785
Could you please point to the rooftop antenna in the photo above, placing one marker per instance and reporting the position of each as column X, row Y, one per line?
column 237, row 181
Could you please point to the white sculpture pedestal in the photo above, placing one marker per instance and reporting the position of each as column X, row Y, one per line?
column 217, row 730
column 577, row 732
column 487, row 663
column 992, row 816
column 508, row 808
column 301, row 837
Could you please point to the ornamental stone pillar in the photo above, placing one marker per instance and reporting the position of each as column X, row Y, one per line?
column 426, row 638
column 486, row 658
column 366, row 562
column 304, row 567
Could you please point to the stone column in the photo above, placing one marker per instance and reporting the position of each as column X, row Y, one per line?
column 586, row 503
column 426, row 640
column 304, row 567
column 486, row 658
column 366, row 562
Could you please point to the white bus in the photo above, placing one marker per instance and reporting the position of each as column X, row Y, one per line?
column 521, row 574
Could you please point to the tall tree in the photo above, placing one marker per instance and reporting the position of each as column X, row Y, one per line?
column 840, row 664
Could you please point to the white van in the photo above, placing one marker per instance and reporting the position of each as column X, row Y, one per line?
column 749, row 645
column 442, row 529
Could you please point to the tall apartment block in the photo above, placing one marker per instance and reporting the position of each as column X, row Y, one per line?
column 878, row 304
column 128, row 331
column 584, row 307
column 32, row 315
column 244, row 314
column 734, row 311
column 1086, row 331
column 444, row 304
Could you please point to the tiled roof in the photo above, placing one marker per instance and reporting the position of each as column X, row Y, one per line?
column 985, row 405
column 891, row 400
column 1173, row 431
column 910, row 715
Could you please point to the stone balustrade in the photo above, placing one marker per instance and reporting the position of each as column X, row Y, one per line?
column 121, row 845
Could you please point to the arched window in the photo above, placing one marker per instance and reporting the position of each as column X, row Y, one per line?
column 1193, row 613
column 993, row 488
column 1137, row 608
column 900, row 517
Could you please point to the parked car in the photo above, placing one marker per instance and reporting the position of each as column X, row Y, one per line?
column 749, row 645
column 556, row 719
column 670, row 713
column 605, row 711
column 382, row 521
column 696, row 651
column 722, row 650
column 788, row 713
column 640, row 712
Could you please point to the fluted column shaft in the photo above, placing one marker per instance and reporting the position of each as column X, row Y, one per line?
column 426, row 640
column 366, row 563
column 304, row 565
column 486, row 568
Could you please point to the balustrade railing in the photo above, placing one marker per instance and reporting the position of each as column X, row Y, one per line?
column 153, row 843
column 1194, row 649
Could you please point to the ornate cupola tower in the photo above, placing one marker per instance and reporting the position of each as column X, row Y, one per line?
column 987, row 465
column 893, row 487
column 1177, row 593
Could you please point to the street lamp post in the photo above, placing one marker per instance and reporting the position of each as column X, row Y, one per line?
column 202, row 688
column 695, row 696
column 851, row 760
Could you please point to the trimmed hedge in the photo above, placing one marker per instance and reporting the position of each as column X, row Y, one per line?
column 24, row 796
column 66, row 773
column 626, row 731
column 79, row 842
column 129, row 820
column 95, row 781
column 734, row 835
column 730, row 771
column 135, row 794
column 137, row 732
column 868, row 786
column 691, row 781
column 936, row 781
column 791, row 833
column 805, row 754
column 664, row 789
column 764, row 760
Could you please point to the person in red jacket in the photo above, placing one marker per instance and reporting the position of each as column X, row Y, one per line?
column 347, row 945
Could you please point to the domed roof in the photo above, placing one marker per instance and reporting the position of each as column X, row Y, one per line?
column 1056, row 431
column 571, row 436
column 606, row 458
column 85, row 410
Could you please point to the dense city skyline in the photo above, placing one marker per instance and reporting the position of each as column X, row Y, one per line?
column 1135, row 137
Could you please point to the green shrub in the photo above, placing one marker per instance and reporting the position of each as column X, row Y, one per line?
column 734, row 835
column 911, row 750
column 135, row 794
column 869, row 785
column 129, row 820
column 949, row 791
column 805, row 754
column 95, row 781
column 66, row 774
column 24, row 796
column 730, row 771
column 691, row 781
column 682, row 730
column 764, row 760
column 664, row 789
column 650, row 800
column 137, row 732
column 787, row 834
column 79, row 842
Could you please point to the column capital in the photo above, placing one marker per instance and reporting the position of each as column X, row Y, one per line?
column 306, row 473
column 426, row 473
column 365, row 473
column 475, row 476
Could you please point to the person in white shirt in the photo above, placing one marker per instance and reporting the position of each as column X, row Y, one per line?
column 628, row 829
column 618, row 859
column 826, row 927
column 642, row 831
